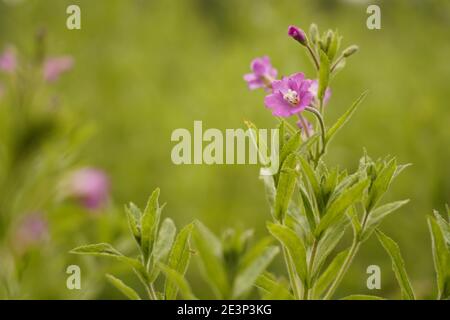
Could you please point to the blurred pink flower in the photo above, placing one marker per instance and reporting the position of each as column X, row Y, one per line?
column 314, row 89
column 90, row 186
column 263, row 74
column 290, row 95
column 32, row 230
column 8, row 60
column 54, row 67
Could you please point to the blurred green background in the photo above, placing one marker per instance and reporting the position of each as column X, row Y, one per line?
column 146, row 67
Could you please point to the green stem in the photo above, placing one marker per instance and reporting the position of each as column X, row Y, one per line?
column 319, row 117
column 349, row 259
column 338, row 60
column 313, row 55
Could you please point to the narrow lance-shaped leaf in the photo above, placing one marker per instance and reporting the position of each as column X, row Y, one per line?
column 330, row 273
column 345, row 117
column 324, row 74
column 398, row 265
column 377, row 216
column 210, row 252
column 106, row 250
column 122, row 287
column 164, row 242
column 133, row 217
column 291, row 146
column 441, row 257
column 273, row 288
column 247, row 277
column 286, row 186
column 294, row 246
column 337, row 208
column 179, row 281
column 178, row 260
column 381, row 184
column 149, row 224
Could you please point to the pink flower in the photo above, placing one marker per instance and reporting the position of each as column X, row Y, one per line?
column 32, row 230
column 297, row 34
column 314, row 89
column 54, row 67
column 8, row 60
column 290, row 95
column 90, row 186
column 263, row 74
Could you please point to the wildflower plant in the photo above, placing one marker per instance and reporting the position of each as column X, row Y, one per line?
column 312, row 205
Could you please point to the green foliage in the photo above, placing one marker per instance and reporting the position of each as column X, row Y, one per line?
column 229, row 265
column 441, row 254
column 398, row 265
column 159, row 250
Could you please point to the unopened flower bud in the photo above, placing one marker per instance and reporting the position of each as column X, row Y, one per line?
column 314, row 33
column 297, row 34
column 350, row 50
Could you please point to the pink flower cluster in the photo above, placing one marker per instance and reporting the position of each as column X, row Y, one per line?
column 289, row 95
column 52, row 67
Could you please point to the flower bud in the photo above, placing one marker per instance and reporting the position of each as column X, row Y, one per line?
column 314, row 33
column 350, row 50
column 297, row 34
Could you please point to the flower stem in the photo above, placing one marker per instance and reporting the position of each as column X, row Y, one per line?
column 313, row 55
column 322, row 129
column 338, row 60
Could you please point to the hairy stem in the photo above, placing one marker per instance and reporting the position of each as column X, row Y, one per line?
column 313, row 55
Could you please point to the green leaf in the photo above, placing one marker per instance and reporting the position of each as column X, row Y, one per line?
column 381, row 183
column 133, row 217
column 327, row 243
column 312, row 179
column 309, row 210
column 149, row 224
column 286, row 186
column 106, row 250
column 122, row 287
column 330, row 273
column 324, row 74
column 291, row 146
column 398, row 265
column 273, row 288
column 294, row 246
column 444, row 225
column 377, row 216
column 179, row 281
column 334, row 46
column 98, row 249
column 210, row 252
column 441, row 257
column 247, row 277
column 345, row 117
column 336, row 209
column 362, row 297
column 254, row 252
column 178, row 260
column 164, row 242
